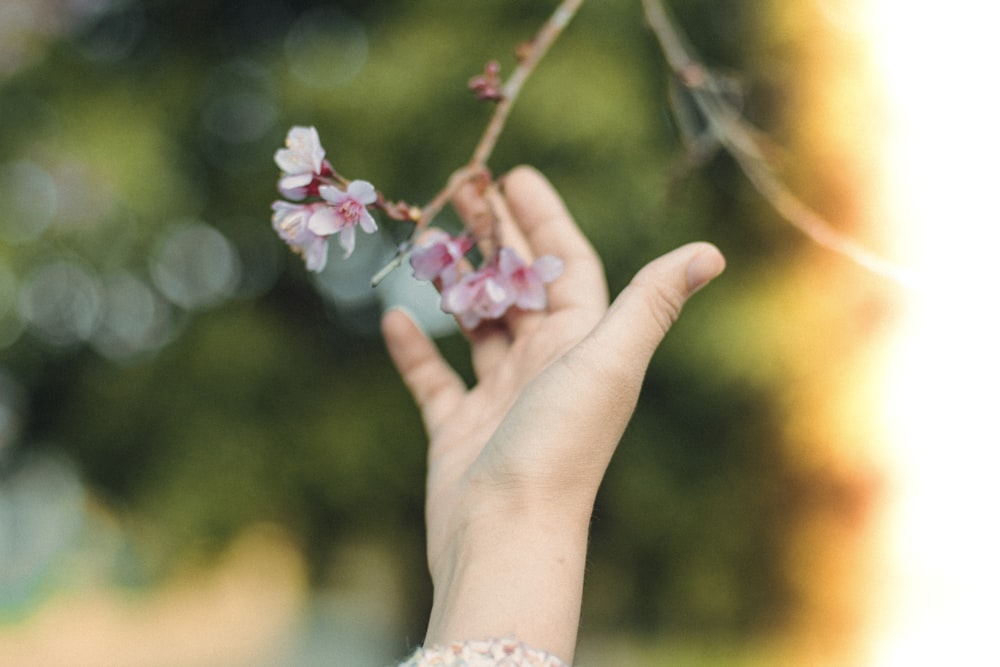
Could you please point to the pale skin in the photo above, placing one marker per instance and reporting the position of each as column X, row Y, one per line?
column 514, row 462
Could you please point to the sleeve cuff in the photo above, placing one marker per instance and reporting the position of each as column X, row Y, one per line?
column 484, row 653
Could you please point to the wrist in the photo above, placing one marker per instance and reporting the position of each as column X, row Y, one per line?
column 511, row 573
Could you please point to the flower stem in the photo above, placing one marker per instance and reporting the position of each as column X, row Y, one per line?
column 528, row 59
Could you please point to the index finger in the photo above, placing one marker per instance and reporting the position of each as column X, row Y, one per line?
column 550, row 230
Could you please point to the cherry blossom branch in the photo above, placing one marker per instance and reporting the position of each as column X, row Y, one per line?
column 528, row 56
column 727, row 128
column 422, row 217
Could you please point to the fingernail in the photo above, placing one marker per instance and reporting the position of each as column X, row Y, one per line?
column 703, row 268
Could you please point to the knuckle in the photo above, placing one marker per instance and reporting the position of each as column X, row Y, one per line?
column 664, row 303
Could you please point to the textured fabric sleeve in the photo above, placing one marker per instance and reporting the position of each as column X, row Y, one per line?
column 488, row 653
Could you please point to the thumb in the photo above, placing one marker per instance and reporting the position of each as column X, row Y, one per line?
column 586, row 399
column 640, row 317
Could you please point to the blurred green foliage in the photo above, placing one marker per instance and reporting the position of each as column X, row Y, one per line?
column 269, row 402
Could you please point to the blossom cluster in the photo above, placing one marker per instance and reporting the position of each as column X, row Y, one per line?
column 306, row 175
column 472, row 296
column 326, row 204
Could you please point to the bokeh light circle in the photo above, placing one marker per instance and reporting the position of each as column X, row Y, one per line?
column 326, row 48
column 62, row 302
column 29, row 195
column 136, row 319
column 195, row 266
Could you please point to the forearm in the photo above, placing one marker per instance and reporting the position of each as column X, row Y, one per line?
column 518, row 575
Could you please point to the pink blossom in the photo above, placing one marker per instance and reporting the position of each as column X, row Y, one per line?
column 438, row 255
column 349, row 210
column 505, row 281
column 528, row 282
column 292, row 222
column 303, row 155
column 487, row 86
column 302, row 163
column 483, row 295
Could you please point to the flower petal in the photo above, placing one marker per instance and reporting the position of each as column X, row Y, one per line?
column 428, row 261
column 509, row 261
column 303, row 154
column 367, row 222
column 547, row 268
column 316, row 254
column 289, row 220
column 332, row 194
column 457, row 298
column 363, row 191
column 324, row 221
column 295, row 186
column 438, row 255
column 532, row 296
column 347, row 239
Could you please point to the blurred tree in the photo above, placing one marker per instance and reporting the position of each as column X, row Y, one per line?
column 203, row 383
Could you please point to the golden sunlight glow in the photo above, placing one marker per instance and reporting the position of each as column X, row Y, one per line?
column 937, row 62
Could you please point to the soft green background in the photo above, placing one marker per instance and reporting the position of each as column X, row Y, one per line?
column 136, row 143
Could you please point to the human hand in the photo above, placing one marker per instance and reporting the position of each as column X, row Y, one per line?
column 514, row 463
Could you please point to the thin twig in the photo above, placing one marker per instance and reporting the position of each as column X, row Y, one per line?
column 732, row 131
column 528, row 59
column 531, row 56
column 427, row 213
column 458, row 178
